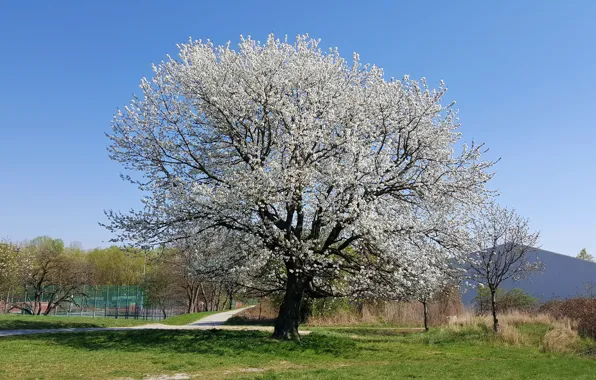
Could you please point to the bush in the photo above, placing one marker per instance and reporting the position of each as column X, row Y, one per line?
column 580, row 310
column 513, row 300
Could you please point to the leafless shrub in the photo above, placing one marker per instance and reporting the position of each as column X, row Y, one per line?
column 580, row 310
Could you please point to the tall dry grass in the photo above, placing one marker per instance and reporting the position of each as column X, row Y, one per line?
column 559, row 334
column 407, row 314
column 549, row 332
column 581, row 310
column 514, row 318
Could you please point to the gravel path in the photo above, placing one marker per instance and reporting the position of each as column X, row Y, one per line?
column 214, row 321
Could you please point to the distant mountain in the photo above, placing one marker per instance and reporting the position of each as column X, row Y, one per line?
column 563, row 277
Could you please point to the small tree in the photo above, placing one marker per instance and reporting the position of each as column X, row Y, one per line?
column 445, row 282
column 54, row 274
column 501, row 243
column 13, row 264
column 584, row 255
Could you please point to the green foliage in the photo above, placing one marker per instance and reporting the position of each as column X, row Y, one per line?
column 514, row 299
column 584, row 255
column 116, row 266
column 12, row 266
column 47, row 244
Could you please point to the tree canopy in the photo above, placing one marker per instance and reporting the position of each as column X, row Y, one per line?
column 333, row 172
column 584, row 255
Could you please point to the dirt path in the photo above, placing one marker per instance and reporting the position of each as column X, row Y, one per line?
column 214, row 321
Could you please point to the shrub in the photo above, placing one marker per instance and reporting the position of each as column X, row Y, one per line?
column 512, row 300
column 581, row 310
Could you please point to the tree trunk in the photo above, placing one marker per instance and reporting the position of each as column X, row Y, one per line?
column 204, row 297
column 195, row 299
column 493, row 304
column 189, row 295
column 286, row 324
column 37, row 303
column 425, row 306
column 7, row 300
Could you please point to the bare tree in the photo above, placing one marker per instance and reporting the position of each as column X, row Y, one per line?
column 53, row 276
column 501, row 241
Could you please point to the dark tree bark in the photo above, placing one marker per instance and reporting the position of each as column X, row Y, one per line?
column 425, row 306
column 286, row 324
column 493, row 305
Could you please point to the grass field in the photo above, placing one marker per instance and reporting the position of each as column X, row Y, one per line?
column 184, row 319
column 352, row 353
column 14, row 322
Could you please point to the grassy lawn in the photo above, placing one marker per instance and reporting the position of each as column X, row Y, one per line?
column 13, row 322
column 184, row 319
column 354, row 353
column 20, row 321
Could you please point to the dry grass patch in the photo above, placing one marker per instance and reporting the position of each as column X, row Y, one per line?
column 525, row 329
column 561, row 339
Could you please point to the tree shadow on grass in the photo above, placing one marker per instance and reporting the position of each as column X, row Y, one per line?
column 242, row 321
column 212, row 342
column 38, row 324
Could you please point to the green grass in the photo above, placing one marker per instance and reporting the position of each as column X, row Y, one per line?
column 184, row 319
column 350, row 353
column 20, row 321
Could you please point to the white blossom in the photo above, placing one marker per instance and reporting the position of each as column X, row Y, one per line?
column 332, row 170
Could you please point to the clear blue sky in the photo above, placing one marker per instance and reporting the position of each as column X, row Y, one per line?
column 524, row 77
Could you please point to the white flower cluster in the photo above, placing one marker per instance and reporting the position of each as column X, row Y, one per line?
column 349, row 181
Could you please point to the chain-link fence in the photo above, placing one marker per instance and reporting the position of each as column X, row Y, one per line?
column 118, row 301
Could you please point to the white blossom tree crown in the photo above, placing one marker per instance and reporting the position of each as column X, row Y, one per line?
column 339, row 173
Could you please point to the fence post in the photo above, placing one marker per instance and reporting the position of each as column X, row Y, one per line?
column 137, row 302
column 82, row 301
column 94, row 300
column 127, row 302
column 117, row 300
column 7, row 297
column 105, row 305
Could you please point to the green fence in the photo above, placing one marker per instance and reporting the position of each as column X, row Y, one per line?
column 102, row 301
